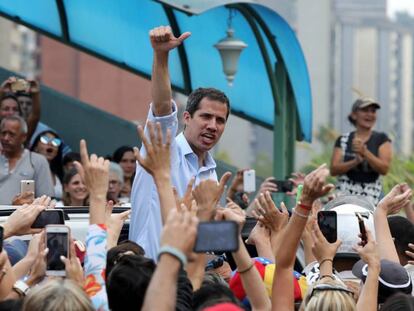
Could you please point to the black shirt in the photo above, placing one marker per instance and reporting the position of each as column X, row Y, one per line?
column 363, row 173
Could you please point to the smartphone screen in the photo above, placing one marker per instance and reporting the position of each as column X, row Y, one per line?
column 58, row 244
column 283, row 185
column 362, row 229
column 49, row 217
column 327, row 221
column 217, row 236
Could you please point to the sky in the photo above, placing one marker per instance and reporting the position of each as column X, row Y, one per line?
column 400, row 5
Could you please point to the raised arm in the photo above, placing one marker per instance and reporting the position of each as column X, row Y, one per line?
column 282, row 290
column 34, row 117
column 392, row 203
column 162, row 41
column 157, row 164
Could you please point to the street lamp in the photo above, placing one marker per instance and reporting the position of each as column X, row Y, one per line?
column 230, row 49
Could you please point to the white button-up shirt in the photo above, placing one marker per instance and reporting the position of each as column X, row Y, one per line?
column 146, row 224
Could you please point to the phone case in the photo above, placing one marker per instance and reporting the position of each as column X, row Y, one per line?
column 249, row 181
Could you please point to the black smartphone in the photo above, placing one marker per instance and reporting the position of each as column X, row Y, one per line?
column 217, row 236
column 327, row 221
column 57, row 241
column 362, row 230
column 283, row 185
column 49, row 217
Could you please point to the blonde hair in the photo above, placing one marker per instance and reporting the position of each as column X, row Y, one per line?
column 57, row 294
column 328, row 300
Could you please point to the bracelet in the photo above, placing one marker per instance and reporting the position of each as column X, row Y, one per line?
column 299, row 213
column 326, row 276
column 247, row 269
column 175, row 253
column 326, row 259
column 304, row 206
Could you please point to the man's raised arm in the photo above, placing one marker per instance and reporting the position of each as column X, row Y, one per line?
column 162, row 41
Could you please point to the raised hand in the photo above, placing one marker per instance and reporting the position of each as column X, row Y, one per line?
column 267, row 185
column 94, row 171
column 73, row 266
column 180, row 231
column 314, row 185
column 21, row 220
column 207, row 194
column 369, row 252
column 163, row 39
column 157, row 160
column 321, row 248
column 268, row 214
column 231, row 214
column 399, row 197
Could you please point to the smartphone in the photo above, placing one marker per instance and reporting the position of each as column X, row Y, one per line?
column 362, row 230
column 27, row 186
column 249, row 181
column 57, row 241
column 327, row 221
column 20, row 85
column 49, row 217
column 217, row 236
column 283, row 185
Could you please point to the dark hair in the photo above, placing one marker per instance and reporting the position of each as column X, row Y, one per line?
column 116, row 252
column 211, row 294
column 70, row 157
column 352, row 121
column 11, row 305
column 56, row 164
column 128, row 281
column 399, row 302
column 193, row 101
column 12, row 96
column 402, row 230
column 119, row 153
column 65, row 181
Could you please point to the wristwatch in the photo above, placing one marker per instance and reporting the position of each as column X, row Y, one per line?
column 21, row 288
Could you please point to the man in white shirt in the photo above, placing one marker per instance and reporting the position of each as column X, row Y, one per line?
column 205, row 118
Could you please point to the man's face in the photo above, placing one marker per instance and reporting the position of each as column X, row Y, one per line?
column 11, row 136
column 204, row 128
column 8, row 107
column 25, row 103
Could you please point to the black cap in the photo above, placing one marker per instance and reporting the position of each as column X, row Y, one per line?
column 393, row 278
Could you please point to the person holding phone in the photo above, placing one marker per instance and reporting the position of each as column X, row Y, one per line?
column 205, row 118
column 360, row 157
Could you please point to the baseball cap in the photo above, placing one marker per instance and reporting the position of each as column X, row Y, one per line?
column 393, row 278
column 364, row 102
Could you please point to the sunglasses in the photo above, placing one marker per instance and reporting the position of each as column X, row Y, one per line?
column 54, row 141
column 325, row 287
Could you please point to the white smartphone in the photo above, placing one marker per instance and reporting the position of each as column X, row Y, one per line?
column 57, row 241
column 249, row 181
column 27, row 186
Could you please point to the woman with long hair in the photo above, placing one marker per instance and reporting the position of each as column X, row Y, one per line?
column 49, row 144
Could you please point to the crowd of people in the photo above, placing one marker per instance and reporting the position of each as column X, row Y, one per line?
column 286, row 263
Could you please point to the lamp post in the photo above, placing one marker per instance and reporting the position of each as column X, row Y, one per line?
column 230, row 49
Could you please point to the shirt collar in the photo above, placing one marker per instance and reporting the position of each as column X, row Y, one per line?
column 183, row 144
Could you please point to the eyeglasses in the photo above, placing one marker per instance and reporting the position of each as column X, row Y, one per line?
column 54, row 141
column 325, row 287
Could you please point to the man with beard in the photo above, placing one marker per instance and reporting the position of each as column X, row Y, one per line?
column 204, row 118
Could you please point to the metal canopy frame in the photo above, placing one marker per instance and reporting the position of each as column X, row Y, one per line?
column 287, row 124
